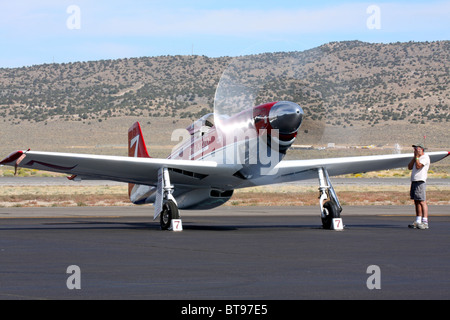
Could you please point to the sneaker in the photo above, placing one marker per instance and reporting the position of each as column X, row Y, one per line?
column 415, row 225
column 423, row 226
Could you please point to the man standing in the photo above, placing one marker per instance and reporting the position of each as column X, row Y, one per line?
column 419, row 166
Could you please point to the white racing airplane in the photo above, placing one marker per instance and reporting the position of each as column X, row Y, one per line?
column 245, row 150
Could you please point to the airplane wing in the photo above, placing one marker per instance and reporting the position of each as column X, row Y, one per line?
column 295, row 170
column 200, row 173
column 116, row 168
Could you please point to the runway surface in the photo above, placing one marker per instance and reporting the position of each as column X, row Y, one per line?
column 229, row 253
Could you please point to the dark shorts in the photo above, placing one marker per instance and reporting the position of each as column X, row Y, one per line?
column 418, row 191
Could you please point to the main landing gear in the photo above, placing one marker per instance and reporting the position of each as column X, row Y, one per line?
column 169, row 213
column 330, row 207
column 165, row 204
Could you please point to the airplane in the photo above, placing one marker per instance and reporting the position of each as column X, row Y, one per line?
column 216, row 156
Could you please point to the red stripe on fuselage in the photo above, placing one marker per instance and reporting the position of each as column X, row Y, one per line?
column 248, row 123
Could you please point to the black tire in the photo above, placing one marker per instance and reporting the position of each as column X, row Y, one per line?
column 169, row 212
column 331, row 212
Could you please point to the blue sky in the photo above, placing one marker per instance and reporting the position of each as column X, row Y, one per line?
column 46, row 31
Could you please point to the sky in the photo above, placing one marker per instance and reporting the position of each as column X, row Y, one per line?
column 61, row 31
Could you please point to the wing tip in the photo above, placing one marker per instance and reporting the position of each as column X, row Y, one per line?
column 12, row 157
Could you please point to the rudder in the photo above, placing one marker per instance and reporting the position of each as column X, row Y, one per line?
column 136, row 143
column 136, row 148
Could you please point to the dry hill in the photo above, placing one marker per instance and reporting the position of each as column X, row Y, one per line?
column 352, row 92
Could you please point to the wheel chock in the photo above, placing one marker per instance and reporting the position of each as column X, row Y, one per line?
column 338, row 225
column 176, row 225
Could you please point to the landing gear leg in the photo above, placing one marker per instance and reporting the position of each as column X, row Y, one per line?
column 165, row 204
column 330, row 207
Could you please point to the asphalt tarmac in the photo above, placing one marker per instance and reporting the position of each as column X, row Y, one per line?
column 230, row 253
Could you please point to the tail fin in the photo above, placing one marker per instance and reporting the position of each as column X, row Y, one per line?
column 136, row 144
column 136, row 148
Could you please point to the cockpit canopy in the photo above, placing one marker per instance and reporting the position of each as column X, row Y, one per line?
column 202, row 125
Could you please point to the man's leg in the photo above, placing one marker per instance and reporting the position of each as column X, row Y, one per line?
column 424, row 209
column 423, row 205
column 418, row 206
column 419, row 211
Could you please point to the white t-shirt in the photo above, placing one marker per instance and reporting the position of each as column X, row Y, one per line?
column 421, row 174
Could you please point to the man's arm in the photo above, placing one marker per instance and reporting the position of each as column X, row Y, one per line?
column 411, row 163
column 416, row 160
column 419, row 165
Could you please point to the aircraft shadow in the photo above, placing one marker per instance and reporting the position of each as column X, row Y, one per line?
column 103, row 225
column 188, row 226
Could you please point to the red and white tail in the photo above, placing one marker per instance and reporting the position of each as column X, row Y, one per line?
column 136, row 144
column 136, row 148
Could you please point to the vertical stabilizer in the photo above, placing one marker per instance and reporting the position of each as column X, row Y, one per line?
column 136, row 144
column 136, row 148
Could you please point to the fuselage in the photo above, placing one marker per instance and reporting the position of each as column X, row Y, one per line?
column 254, row 140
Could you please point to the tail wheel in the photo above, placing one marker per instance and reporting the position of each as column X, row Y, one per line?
column 330, row 211
column 169, row 212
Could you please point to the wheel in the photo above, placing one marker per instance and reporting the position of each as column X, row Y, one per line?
column 331, row 211
column 169, row 212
